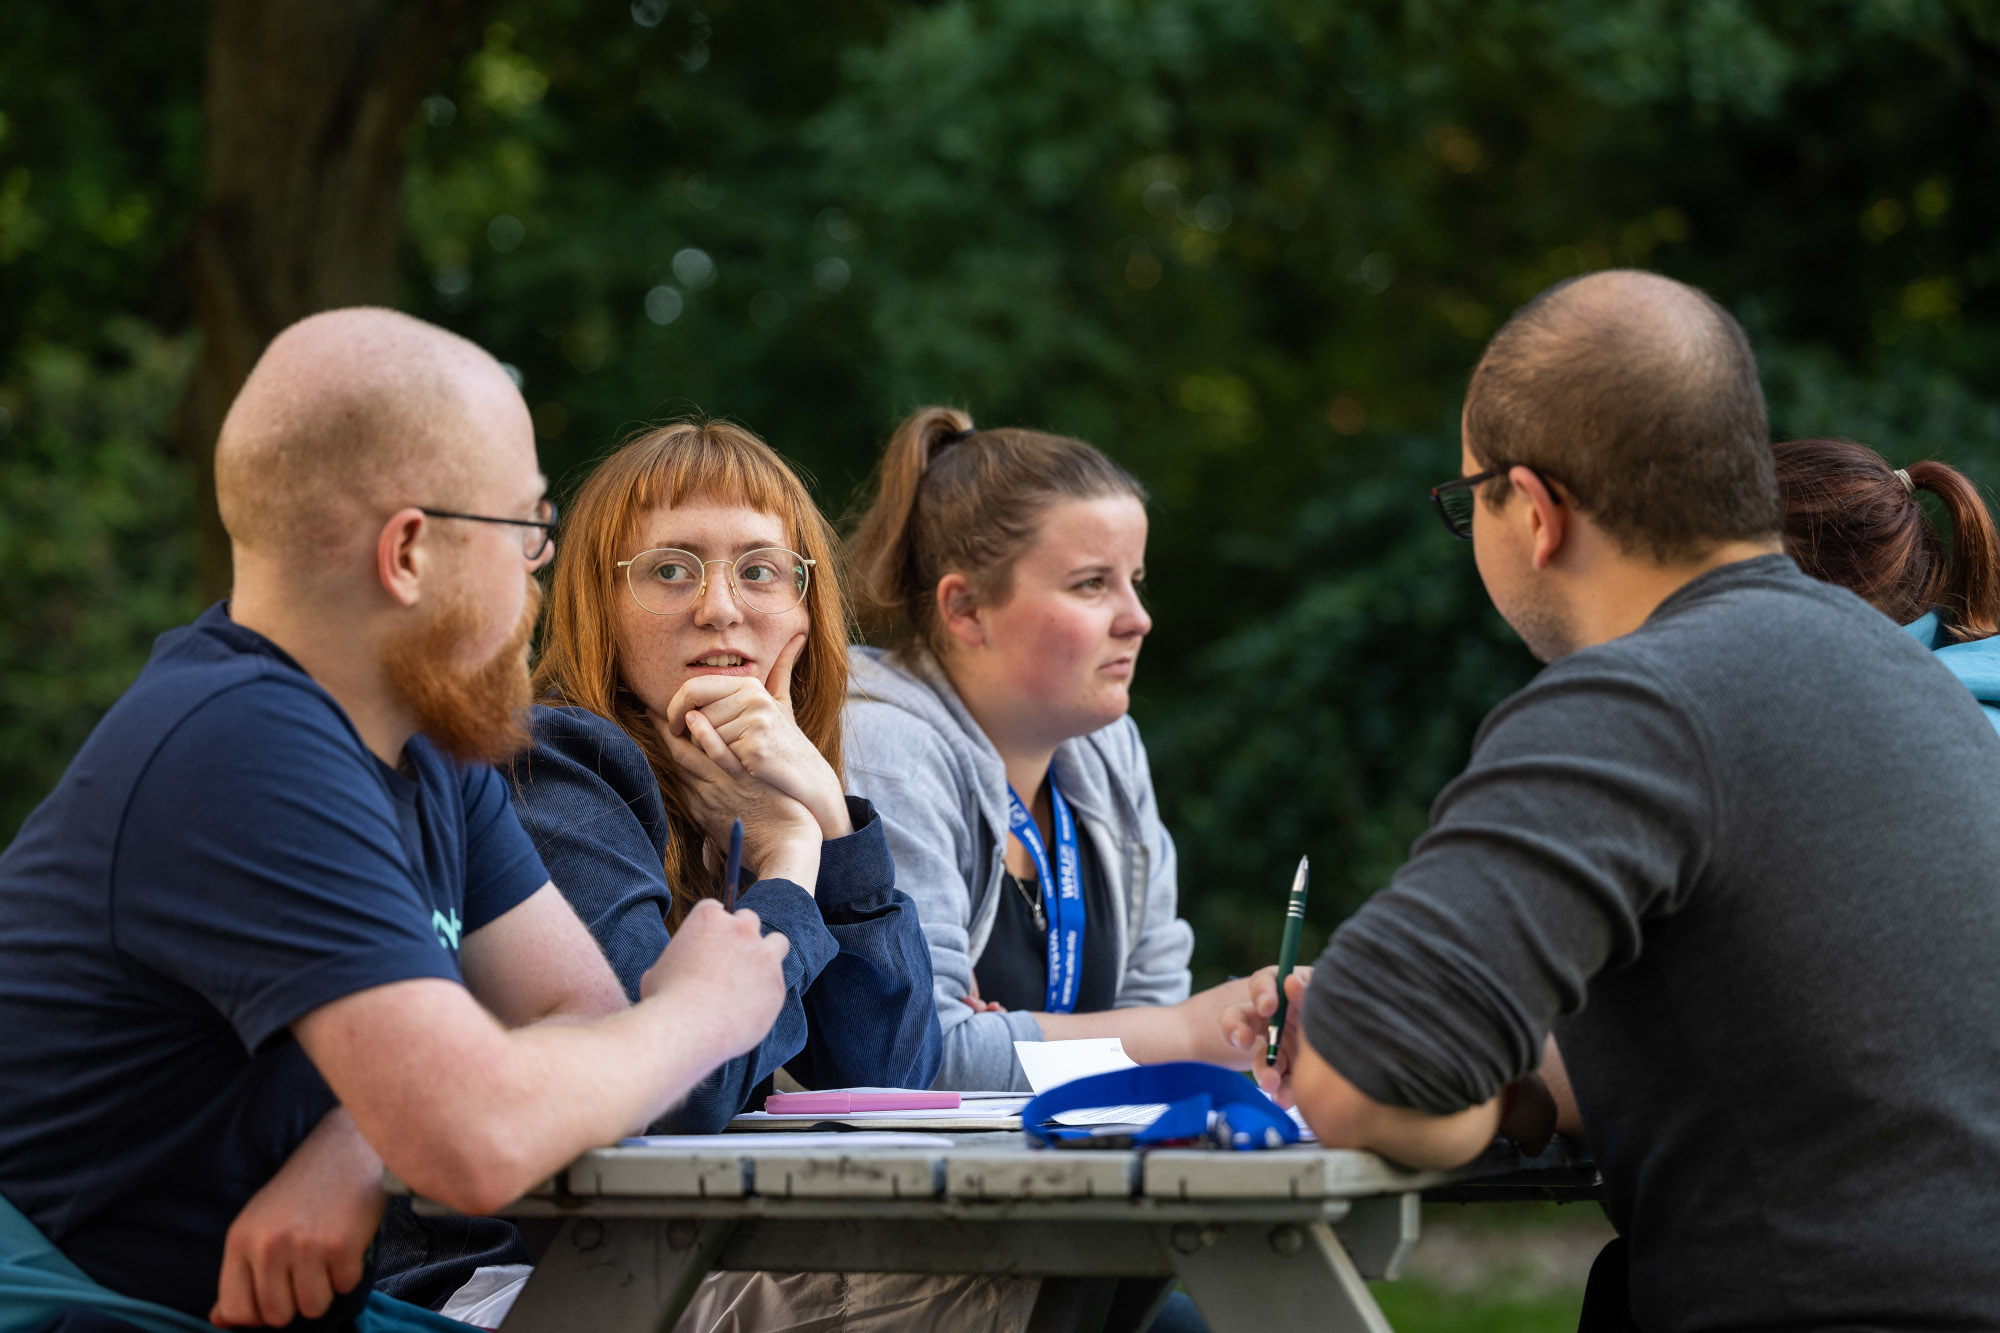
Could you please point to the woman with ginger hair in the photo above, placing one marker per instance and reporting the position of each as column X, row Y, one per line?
column 692, row 672
column 1004, row 568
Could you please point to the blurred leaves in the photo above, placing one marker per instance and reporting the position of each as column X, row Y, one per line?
column 99, row 146
column 95, row 541
column 1250, row 247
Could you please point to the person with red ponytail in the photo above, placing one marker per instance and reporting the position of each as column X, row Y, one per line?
column 1852, row 520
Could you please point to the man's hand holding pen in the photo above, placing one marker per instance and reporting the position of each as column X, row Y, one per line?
column 1246, row 1026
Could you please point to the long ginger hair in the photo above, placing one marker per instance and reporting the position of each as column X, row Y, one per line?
column 578, row 667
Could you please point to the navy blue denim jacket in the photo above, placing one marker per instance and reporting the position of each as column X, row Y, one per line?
column 858, row 1009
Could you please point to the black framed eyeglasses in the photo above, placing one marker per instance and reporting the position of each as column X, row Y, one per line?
column 1454, row 499
column 541, row 528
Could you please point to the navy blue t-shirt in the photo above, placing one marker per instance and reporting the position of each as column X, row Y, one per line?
column 223, row 857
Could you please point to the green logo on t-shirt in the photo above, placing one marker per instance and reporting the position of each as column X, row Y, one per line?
column 447, row 928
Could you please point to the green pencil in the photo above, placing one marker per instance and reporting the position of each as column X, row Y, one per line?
column 1288, row 957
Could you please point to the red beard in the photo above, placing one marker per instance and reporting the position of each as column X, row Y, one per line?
column 477, row 716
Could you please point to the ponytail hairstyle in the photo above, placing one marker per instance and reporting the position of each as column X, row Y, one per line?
column 1851, row 520
column 578, row 666
column 956, row 499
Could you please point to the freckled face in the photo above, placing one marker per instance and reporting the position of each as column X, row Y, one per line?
column 1063, row 646
column 718, row 635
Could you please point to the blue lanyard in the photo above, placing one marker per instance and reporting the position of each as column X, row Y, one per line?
column 1062, row 893
column 1202, row 1104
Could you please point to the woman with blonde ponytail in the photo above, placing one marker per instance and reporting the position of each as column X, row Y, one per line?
column 1003, row 570
column 1853, row 520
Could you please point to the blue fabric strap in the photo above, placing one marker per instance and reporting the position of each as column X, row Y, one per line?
column 1062, row 893
column 1242, row 1118
column 38, row 1282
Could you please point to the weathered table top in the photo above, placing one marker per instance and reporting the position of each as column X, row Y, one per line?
column 1264, row 1241
column 737, row 1176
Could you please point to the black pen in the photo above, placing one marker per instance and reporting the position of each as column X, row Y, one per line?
column 732, row 869
column 1288, row 957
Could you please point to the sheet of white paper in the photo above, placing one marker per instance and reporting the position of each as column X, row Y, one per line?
column 1050, row 1064
column 737, row 1143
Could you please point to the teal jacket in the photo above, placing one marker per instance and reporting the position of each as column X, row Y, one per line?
column 1976, row 663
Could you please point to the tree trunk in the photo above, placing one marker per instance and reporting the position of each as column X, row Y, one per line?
column 309, row 107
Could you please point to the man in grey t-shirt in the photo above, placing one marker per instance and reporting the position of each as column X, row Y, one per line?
column 1736, row 848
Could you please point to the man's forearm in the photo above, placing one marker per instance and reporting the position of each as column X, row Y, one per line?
column 475, row 1119
column 303, row 1237
column 1410, row 1137
column 581, row 1082
column 473, row 1114
column 1342, row 1116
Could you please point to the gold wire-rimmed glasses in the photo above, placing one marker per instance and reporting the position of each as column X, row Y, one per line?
column 770, row 580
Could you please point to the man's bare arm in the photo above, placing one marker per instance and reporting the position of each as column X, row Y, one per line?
column 1341, row 1115
column 538, row 963
column 472, row 1114
column 302, row 1237
column 1345, row 1117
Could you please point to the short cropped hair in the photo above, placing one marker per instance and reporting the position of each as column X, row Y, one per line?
column 1638, row 396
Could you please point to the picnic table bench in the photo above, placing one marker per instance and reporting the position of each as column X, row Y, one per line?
column 1263, row 1241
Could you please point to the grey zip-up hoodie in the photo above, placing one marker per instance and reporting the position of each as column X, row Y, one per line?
column 940, row 790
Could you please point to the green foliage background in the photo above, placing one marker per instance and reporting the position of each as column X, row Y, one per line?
column 1250, row 247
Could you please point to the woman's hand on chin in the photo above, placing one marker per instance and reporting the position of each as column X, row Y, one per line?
column 750, row 723
column 781, row 838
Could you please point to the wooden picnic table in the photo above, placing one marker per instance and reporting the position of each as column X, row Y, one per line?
column 1263, row 1241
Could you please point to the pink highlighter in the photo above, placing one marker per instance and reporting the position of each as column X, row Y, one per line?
column 847, row 1103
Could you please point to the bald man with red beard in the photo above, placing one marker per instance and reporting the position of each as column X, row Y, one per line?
column 277, row 926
